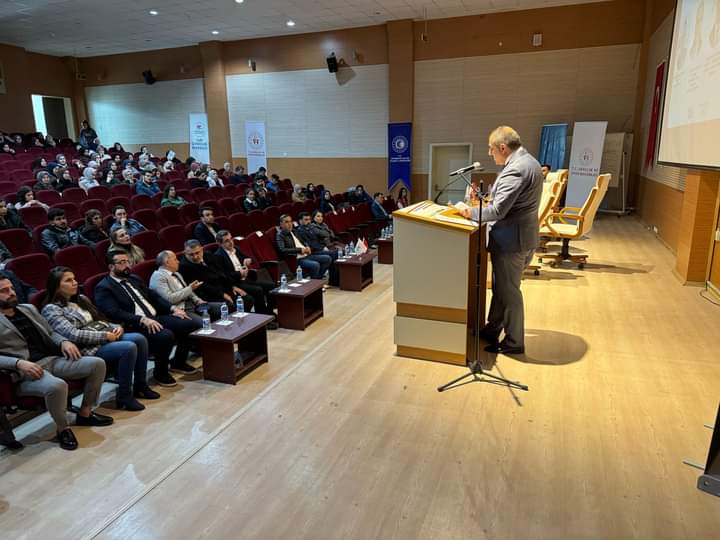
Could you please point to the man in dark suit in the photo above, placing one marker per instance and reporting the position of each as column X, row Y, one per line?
column 377, row 209
column 288, row 243
column 235, row 265
column 513, row 224
column 308, row 235
column 205, row 231
column 125, row 300
column 216, row 287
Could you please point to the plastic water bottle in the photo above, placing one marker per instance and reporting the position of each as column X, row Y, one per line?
column 340, row 253
column 239, row 307
column 299, row 273
column 224, row 312
column 283, row 283
column 205, row 320
column 349, row 250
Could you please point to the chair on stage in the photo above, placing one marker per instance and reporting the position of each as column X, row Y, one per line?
column 572, row 223
column 548, row 200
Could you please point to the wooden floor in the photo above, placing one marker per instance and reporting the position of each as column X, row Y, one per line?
column 338, row 438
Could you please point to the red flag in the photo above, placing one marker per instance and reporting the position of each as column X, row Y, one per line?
column 654, row 115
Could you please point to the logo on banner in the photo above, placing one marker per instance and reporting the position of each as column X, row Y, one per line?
column 399, row 144
column 587, row 156
column 255, row 141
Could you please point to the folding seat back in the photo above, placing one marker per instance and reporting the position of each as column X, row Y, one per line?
column 89, row 285
column 148, row 218
column 149, row 242
column 256, row 218
column 34, row 216
column 75, row 194
column 18, row 241
column 190, row 212
column 47, row 196
column 33, row 268
column 169, row 215
column 172, row 237
column 122, row 190
column 144, row 270
column 93, row 204
column 101, row 248
column 227, row 205
column 72, row 211
column 112, row 202
column 239, row 224
column 80, row 259
column 138, row 202
column 99, row 192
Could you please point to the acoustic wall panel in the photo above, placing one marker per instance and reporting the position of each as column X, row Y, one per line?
column 463, row 99
column 312, row 113
column 144, row 114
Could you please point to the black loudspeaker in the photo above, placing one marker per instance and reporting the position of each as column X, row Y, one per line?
column 332, row 63
column 149, row 78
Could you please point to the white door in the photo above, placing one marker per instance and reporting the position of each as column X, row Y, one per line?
column 445, row 158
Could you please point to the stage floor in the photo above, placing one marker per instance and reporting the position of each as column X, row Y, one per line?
column 338, row 438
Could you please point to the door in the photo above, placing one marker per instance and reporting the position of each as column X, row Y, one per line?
column 55, row 119
column 445, row 158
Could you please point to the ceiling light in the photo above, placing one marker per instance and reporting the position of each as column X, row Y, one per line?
column 214, row 32
column 153, row 12
column 290, row 23
column 239, row 1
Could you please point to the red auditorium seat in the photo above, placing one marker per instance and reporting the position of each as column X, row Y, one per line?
column 75, row 194
column 272, row 215
column 18, row 241
column 190, row 212
column 48, row 197
column 188, row 230
column 34, row 216
column 227, row 205
column 222, row 222
column 297, row 207
column 32, row 269
column 200, row 194
column 216, row 192
column 93, row 204
column 169, row 215
column 264, row 248
column 138, row 202
column 149, row 242
column 239, row 224
column 7, row 187
column 257, row 222
column 101, row 248
column 122, row 190
column 148, row 218
column 172, row 237
column 99, row 192
column 118, row 200
column 230, row 190
column 80, row 259
column 72, row 211
column 285, row 208
column 37, row 298
column 212, row 203
column 90, row 283
column 157, row 199
column 309, row 206
column 144, row 270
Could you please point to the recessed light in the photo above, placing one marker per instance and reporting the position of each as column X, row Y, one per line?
column 153, row 12
column 239, row 1
column 214, row 32
column 290, row 23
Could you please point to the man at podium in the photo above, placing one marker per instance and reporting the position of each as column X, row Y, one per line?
column 511, row 215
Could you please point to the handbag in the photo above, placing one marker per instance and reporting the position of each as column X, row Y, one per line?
column 97, row 326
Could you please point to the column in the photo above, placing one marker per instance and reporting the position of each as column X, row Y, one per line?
column 216, row 102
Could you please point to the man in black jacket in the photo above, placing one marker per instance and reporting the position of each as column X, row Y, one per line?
column 205, row 231
column 216, row 287
column 9, row 218
column 289, row 244
column 307, row 235
column 125, row 300
column 235, row 265
column 58, row 234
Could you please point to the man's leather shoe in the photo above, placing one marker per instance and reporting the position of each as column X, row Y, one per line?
column 11, row 443
column 146, row 393
column 185, row 368
column 67, row 439
column 501, row 348
column 164, row 379
column 490, row 337
column 95, row 419
column 129, row 404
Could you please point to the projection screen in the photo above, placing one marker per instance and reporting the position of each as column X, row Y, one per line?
column 690, row 129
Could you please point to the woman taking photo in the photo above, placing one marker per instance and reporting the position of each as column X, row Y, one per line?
column 74, row 317
column 120, row 239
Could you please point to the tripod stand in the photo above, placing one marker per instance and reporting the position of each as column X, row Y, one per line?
column 473, row 362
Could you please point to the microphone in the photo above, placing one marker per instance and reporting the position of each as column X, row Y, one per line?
column 474, row 167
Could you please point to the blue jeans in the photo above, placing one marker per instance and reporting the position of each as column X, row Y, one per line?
column 129, row 355
column 315, row 265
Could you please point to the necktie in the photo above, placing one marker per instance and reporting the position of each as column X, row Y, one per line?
column 179, row 278
column 136, row 298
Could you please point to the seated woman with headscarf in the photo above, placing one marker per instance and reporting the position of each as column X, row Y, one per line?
column 88, row 179
column 74, row 317
column 44, row 182
column 297, row 194
column 120, row 240
column 326, row 204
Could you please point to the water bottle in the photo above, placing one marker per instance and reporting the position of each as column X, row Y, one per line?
column 205, row 320
column 224, row 312
column 283, row 283
column 349, row 250
column 239, row 307
column 299, row 274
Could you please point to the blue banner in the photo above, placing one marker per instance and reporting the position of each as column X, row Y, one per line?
column 399, row 154
column 552, row 145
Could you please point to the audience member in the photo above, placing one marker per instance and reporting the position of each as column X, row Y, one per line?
column 213, row 180
column 323, row 233
column 307, row 235
column 171, row 198
column 74, row 317
column 310, row 191
column 262, row 198
column 88, row 179
column 297, row 194
column 199, row 179
column 65, row 180
column 5, row 255
column 42, row 360
column 545, row 168
column 205, row 231
column 88, row 136
column 236, row 265
column 44, row 182
column 288, row 244
column 118, row 148
column 132, row 226
column 215, row 287
column 326, row 204
column 403, row 198
column 26, row 198
column 239, row 176
column 273, row 183
column 169, row 284
column 9, row 218
column 120, row 241
column 125, row 300
column 147, row 186
column 58, row 235
column 24, row 291
column 359, row 195
column 7, row 149
column 377, row 209
column 92, row 232
column 249, row 203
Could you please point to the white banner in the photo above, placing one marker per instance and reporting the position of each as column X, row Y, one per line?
column 585, row 158
column 255, row 146
column 199, row 139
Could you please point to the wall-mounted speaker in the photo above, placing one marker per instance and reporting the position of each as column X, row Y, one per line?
column 148, row 76
column 252, row 65
column 332, row 63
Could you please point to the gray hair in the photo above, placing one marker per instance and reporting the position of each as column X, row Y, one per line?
column 505, row 135
column 192, row 244
column 162, row 258
column 222, row 233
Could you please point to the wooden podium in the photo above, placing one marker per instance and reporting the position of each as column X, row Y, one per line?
column 434, row 283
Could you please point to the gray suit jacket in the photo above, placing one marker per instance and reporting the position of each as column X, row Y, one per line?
column 163, row 283
column 13, row 345
column 515, row 198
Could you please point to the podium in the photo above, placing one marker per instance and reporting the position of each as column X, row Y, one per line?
column 435, row 277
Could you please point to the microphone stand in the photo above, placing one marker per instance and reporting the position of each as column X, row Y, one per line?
column 450, row 183
column 474, row 364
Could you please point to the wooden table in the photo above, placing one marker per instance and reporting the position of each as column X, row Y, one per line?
column 299, row 306
column 356, row 272
column 385, row 250
column 232, row 351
